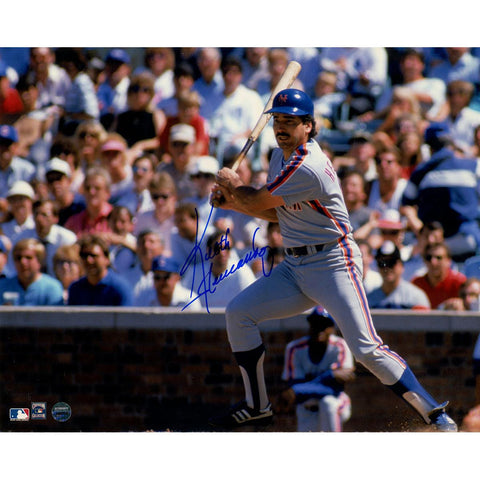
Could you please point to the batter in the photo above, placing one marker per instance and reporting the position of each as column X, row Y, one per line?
column 323, row 266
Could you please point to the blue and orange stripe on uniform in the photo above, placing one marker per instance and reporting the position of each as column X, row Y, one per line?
column 292, row 166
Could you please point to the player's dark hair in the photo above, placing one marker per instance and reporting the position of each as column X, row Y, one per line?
column 310, row 119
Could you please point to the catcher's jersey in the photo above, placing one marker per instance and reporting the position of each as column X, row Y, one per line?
column 299, row 366
column 314, row 210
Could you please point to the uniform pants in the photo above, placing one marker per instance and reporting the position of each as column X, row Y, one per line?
column 331, row 278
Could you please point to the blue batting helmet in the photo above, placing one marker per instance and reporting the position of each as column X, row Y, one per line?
column 292, row 102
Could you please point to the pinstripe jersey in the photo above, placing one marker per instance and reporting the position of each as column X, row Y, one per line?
column 299, row 366
column 314, row 210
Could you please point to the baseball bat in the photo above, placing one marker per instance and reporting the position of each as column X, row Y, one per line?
column 286, row 81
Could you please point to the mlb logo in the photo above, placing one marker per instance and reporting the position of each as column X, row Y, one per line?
column 19, row 414
column 39, row 411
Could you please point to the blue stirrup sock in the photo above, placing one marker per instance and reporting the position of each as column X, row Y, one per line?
column 251, row 368
column 410, row 390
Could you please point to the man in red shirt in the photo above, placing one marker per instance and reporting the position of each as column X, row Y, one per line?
column 10, row 102
column 440, row 282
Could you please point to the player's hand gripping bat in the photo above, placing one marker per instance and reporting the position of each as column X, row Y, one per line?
column 286, row 81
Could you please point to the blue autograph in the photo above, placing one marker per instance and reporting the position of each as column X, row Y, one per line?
column 198, row 259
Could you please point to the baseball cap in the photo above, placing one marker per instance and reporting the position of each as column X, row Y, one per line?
column 181, row 132
column 165, row 264
column 113, row 145
column 21, row 188
column 205, row 164
column 437, row 133
column 320, row 319
column 390, row 220
column 118, row 55
column 58, row 165
column 8, row 132
column 388, row 252
column 360, row 137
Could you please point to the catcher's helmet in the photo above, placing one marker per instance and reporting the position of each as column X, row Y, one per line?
column 292, row 102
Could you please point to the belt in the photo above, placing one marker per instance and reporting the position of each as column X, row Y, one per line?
column 305, row 250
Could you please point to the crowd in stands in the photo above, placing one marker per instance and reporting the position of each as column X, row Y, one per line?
column 107, row 158
column 121, row 146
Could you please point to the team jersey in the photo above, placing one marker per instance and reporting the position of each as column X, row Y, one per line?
column 299, row 366
column 314, row 210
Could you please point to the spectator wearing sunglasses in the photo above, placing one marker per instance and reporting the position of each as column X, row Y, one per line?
column 167, row 290
column 182, row 151
column 441, row 281
column 161, row 218
column 100, row 285
column 395, row 292
column 141, row 122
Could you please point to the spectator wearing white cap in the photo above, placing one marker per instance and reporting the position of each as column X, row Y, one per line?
column 181, row 146
column 20, row 199
column 59, row 179
column 12, row 167
column 114, row 159
column 203, row 173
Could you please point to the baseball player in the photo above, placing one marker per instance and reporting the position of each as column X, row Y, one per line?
column 316, row 367
column 322, row 266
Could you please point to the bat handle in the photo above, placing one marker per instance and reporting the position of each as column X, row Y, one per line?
column 243, row 152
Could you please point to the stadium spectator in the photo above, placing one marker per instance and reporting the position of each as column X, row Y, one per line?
column 167, row 290
column 122, row 242
column 395, row 292
column 140, row 123
column 353, row 189
column 48, row 232
column 114, row 159
column 409, row 145
column 58, row 177
column 254, row 65
column 36, row 127
column 149, row 246
column 137, row 198
column 20, row 199
column 327, row 99
column 468, row 297
column 387, row 189
column 94, row 217
column 430, row 92
column 237, row 112
column 10, row 102
column 188, row 114
column 203, row 173
column 183, row 80
column 160, row 61
column 361, row 156
column 100, row 286
column 414, row 265
column 81, row 101
column 210, row 85
column 12, row 167
column 440, row 282
column 67, row 267
column 65, row 148
column 161, row 219
column 459, row 64
column 29, row 286
column 445, row 189
column 181, row 147
column 89, row 137
column 112, row 91
column 316, row 368
column 461, row 120
column 51, row 80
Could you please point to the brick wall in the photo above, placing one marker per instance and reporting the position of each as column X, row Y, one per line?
column 135, row 378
